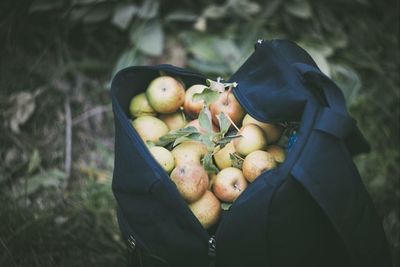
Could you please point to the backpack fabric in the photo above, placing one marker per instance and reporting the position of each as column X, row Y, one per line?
column 313, row 210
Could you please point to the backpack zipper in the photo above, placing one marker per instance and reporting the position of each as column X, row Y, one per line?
column 212, row 253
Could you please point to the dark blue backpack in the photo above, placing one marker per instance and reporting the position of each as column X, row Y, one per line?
column 313, row 210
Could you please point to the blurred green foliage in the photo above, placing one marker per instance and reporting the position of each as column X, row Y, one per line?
column 58, row 55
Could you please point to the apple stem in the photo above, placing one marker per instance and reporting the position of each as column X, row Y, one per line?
column 231, row 121
column 237, row 156
column 237, row 188
column 182, row 113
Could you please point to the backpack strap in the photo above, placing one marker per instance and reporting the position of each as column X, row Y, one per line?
column 334, row 119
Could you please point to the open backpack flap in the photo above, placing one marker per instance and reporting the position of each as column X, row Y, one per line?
column 313, row 210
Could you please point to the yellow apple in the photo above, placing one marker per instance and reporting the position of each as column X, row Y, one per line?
column 189, row 152
column 272, row 131
column 174, row 120
column 150, row 128
column 277, row 152
column 222, row 158
column 207, row 209
column 164, row 157
column 257, row 162
column 252, row 138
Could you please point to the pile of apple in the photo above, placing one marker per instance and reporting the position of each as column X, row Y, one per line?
column 194, row 135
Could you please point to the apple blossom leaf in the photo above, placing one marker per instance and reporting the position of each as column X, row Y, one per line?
column 173, row 135
column 191, row 137
column 226, row 140
column 209, row 96
column 208, row 164
column 205, row 119
column 224, row 123
column 226, row 206
column 237, row 161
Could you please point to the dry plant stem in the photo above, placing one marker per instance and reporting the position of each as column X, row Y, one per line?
column 68, row 137
column 91, row 113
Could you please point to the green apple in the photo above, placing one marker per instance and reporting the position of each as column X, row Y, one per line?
column 150, row 128
column 165, row 94
column 139, row 106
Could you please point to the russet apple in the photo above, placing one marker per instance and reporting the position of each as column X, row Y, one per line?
column 228, row 104
column 164, row 157
column 229, row 184
column 272, row 131
column 192, row 107
column 165, row 94
column 150, row 128
column 252, row 138
column 222, row 158
column 139, row 106
column 174, row 120
column 207, row 209
column 257, row 162
column 189, row 152
column 277, row 152
column 191, row 181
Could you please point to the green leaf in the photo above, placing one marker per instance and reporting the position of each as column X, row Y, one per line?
column 208, row 164
column 299, row 8
column 226, row 140
column 205, row 119
column 181, row 15
column 237, row 161
column 46, row 179
column 150, row 40
column 224, row 123
column 123, row 15
column 34, row 161
column 206, row 139
column 45, row 5
column 173, row 135
column 191, row 137
column 128, row 58
column 208, row 95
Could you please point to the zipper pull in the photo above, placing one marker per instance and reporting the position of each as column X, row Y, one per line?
column 212, row 245
column 131, row 243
